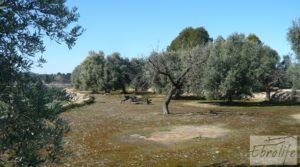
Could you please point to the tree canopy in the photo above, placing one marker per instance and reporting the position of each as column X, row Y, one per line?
column 238, row 66
column 175, row 66
column 294, row 36
column 99, row 72
column 189, row 38
column 294, row 39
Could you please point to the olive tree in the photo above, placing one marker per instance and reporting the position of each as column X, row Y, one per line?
column 294, row 39
column 75, row 80
column 237, row 66
column 268, row 74
column 91, row 72
column 175, row 66
column 265, row 66
column 294, row 36
column 30, row 128
column 97, row 73
column 214, row 72
column 138, row 74
column 227, row 70
column 116, row 75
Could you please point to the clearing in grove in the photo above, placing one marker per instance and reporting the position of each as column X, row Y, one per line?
column 107, row 133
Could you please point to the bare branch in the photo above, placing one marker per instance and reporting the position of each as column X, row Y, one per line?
column 155, row 66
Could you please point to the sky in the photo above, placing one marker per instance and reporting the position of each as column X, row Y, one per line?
column 134, row 28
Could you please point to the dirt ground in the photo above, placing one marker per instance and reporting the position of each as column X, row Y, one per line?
column 297, row 117
column 185, row 132
column 108, row 133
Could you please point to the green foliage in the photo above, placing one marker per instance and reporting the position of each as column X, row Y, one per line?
column 189, row 38
column 236, row 58
column 46, row 17
column 92, row 72
column 253, row 38
column 30, row 130
column 237, row 66
column 265, row 71
column 30, row 123
column 75, row 80
column 294, row 39
column 54, row 78
column 214, row 71
column 227, row 69
column 284, row 66
column 116, row 74
column 97, row 73
column 294, row 36
column 294, row 75
column 171, row 64
column 138, row 74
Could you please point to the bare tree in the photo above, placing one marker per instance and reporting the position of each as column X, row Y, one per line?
column 175, row 66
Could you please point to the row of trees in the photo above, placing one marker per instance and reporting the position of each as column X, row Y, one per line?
column 229, row 68
column 240, row 65
column 105, row 73
column 54, row 78
column 222, row 69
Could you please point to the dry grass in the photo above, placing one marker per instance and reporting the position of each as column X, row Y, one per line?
column 181, row 133
column 101, row 133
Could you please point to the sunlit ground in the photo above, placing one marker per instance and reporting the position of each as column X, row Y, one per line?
column 108, row 133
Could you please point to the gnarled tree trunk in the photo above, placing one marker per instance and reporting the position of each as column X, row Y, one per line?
column 177, row 93
column 168, row 100
column 164, row 64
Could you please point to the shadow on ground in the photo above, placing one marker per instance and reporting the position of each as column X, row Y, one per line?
column 248, row 103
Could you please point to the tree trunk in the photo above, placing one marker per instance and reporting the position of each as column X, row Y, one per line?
column 268, row 95
column 177, row 93
column 229, row 99
column 136, row 89
column 106, row 91
column 167, row 101
column 124, row 89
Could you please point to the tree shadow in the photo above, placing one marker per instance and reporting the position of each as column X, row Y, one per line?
column 249, row 104
column 189, row 98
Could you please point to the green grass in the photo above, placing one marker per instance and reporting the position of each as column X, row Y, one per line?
column 100, row 132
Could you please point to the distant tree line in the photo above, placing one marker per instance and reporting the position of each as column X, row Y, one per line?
column 226, row 69
column 62, row 78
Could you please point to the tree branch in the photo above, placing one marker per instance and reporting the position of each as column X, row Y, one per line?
column 162, row 72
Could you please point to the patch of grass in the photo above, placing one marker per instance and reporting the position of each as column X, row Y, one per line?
column 100, row 132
